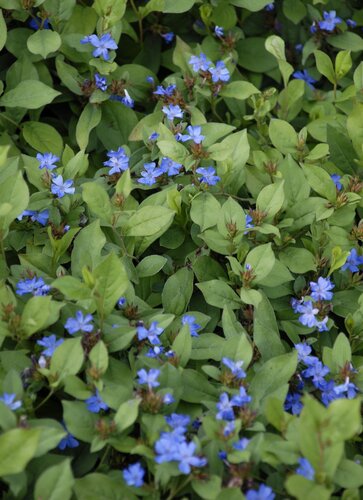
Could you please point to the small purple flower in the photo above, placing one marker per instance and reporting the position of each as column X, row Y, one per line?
column 347, row 388
column 321, row 289
column 118, row 161
column 219, row 31
column 305, row 469
column 168, row 37
column 219, row 73
column 127, row 100
column 149, row 378
column 193, row 326
column 68, row 442
column 330, row 21
column 79, row 323
column 208, row 175
column 194, row 134
column 241, row 444
column 178, row 421
column 168, row 399
column 152, row 334
column 328, row 393
column 336, row 179
column 200, row 62
column 153, row 136
column 41, row 217
column 241, row 398
column 35, row 285
column 304, row 75
column 353, row 261
column 100, row 82
column 9, row 400
column 351, row 23
column 149, row 175
column 187, row 459
column 168, row 91
column 270, row 7
column 47, row 160
column 308, row 318
column 155, row 351
column 150, row 79
column 170, row 167
column 303, row 351
column 172, row 111
column 322, row 325
column 316, row 371
column 95, row 403
column 229, row 428
column 299, row 47
column 122, row 302
column 249, row 223
column 60, row 188
column 102, row 45
column 50, row 343
column 263, row 493
column 235, row 367
column 37, row 22
column 134, row 475
column 293, row 403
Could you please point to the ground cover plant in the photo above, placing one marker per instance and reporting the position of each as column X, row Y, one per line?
column 180, row 229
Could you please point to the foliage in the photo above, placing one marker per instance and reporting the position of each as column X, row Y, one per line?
column 180, row 229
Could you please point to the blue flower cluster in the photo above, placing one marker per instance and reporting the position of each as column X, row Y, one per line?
column 314, row 373
column 35, row 286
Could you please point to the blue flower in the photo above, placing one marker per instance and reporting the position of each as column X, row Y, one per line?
column 219, row 31
column 336, row 179
column 118, row 161
column 304, row 75
column 235, row 367
column 330, row 21
column 351, row 23
column 35, row 285
column 263, row 493
column 153, row 136
column 194, row 134
column 50, row 343
column 9, row 400
column 79, row 323
column 101, row 82
column 68, row 442
column 122, row 302
column 308, row 318
column 152, row 334
column 60, row 187
column 168, row 37
column 127, row 100
column 241, row 398
column 321, row 289
column 303, row 351
column 168, row 91
column 95, row 403
column 347, row 388
column 219, row 73
column 150, row 79
column 193, row 326
column 200, row 62
column 178, row 421
column 166, row 446
column 134, row 475
column 47, row 160
column 316, row 371
column 225, row 408
column 170, row 167
column 155, row 351
column 41, row 217
column 149, row 378
column 353, row 261
column 168, row 399
column 208, row 175
column 172, row 111
column 299, row 47
column 249, row 223
column 241, row 444
column 229, row 428
column 149, row 175
column 102, row 45
column 270, row 7
column 322, row 325
column 293, row 403
column 187, row 459
column 328, row 393
column 37, row 22
column 305, row 469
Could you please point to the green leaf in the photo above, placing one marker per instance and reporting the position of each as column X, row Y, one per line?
column 44, row 42
column 30, row 94
column 338, row 259
column 38, row 314
column 147, row 221
column 14, row 198
column 99, row 357
column 127, row 414
column 67, row 359
column 283, row 136
column 346, row 41
column 343, row 63
column 252, row 5
column 55, row 483
column 79, row 421
column 205, row 211
column 261, row 259
column 298, row 260
column 89, row 119
column 271, row 199
column 3, row 30
column 111, row 283
column 294, row 10
column 320, row 181
column 349, row 474
column 69, row 75
column 239, row 90
column 43, row 137
column 325, row 66
column 98, row 201
column 150, row 265
column 253, row 55
column 276, row 46
column 111, row 11
column 182, row 345
column 342, row 352
column 218, row 294
column 17, row 448
column 177, row 292
column 84, row 254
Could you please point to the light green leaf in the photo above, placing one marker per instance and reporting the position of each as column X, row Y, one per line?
column 55, row 483
column 30, row 94
column 43, row 137
column 89, row 119
column 147, row 221
column 17, row 448
column 44, row 42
